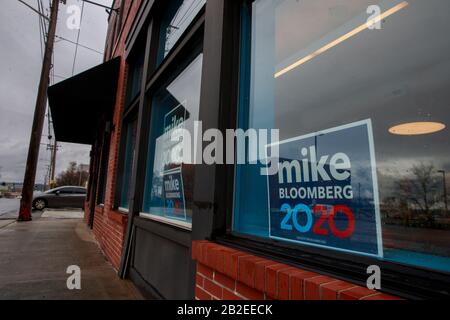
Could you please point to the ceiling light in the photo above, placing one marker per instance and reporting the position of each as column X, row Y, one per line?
column 339, row 40
column 417, row 128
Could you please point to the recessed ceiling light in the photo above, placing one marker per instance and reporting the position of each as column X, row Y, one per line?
column 417, row 128
column 343, row 38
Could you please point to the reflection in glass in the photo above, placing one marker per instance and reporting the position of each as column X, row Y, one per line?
column 176, row 19
column 311, row 71
column 169, row 181
column 417, row 128
column 136, row 70
column 130, row 147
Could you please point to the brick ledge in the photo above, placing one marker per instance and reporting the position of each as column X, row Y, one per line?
column 226, row 273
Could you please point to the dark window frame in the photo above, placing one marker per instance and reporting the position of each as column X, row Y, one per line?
column 147, row 24
column 155, row 70
column 104, row 165
column 128, row 118
column 151, row 77
column 403, row 280
column 180, row 56
column 130, row 113
column 134, row 58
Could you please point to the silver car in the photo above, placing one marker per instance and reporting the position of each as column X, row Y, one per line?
column 62, row 197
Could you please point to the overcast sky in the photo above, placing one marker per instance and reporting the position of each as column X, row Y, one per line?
column 20, row 65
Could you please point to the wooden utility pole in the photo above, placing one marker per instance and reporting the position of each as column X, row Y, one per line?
column 53, row 164
column 38, row 121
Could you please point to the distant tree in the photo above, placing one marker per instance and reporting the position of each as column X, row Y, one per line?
column 421, row 189
column 75, row 175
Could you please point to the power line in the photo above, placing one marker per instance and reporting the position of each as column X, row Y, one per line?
column 40, row 31
column 83, row 46
column 43, row 21
column 188, row 13
column 177, row 13
column 36, row 11
column 78, row 39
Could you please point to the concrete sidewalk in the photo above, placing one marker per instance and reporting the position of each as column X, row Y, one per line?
column 34, row 257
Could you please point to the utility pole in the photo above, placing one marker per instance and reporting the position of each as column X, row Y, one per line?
column 38, row 121
column 53, row 168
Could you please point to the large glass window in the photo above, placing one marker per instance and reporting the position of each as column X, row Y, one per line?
column 130, row 131
column 135, row 72
column 175, row 20
column 169, row 181
column 359, row 92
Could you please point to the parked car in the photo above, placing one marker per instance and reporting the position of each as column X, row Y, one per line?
column 62, row 197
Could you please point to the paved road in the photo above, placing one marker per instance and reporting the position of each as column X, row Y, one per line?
column 9, row 209
column 8, row 206
column 34, row 257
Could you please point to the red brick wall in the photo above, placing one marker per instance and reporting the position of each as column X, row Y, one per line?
column 86, row 212
column 227, row 274
column 109, row 224
column 110, row 230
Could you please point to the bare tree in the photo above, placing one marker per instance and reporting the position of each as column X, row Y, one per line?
column 75, row 175
column 420, row 190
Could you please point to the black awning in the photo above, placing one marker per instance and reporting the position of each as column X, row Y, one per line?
column 77, row 104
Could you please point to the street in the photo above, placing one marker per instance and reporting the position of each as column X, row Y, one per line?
column 9, row 208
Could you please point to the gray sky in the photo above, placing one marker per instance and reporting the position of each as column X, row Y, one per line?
column 20, row 65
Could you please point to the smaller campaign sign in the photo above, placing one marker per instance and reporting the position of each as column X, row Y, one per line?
column 176, row 117
column 325, row 193
column 173, row 192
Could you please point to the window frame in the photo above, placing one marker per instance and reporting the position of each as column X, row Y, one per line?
column 186, row 49
column 145, row 24
column 144, row 36
column 134, row 56
column 156, row 71
column 129, row 116
column 130, row 113
column 104, row 164
column 399, row 279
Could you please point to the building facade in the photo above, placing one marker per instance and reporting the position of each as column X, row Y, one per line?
column 358, row 94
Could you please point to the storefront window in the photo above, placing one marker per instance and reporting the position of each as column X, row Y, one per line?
column 174, row 22
column 130, row 147
column 135, row 72
column 359, row 92
column 169, row 182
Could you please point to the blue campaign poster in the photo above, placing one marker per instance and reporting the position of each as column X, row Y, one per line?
column 173, row 191
column 325, row 192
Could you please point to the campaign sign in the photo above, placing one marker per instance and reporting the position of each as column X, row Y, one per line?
column 173, row 191
column 325, row 193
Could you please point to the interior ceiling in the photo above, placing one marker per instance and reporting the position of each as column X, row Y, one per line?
column 393, row 75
